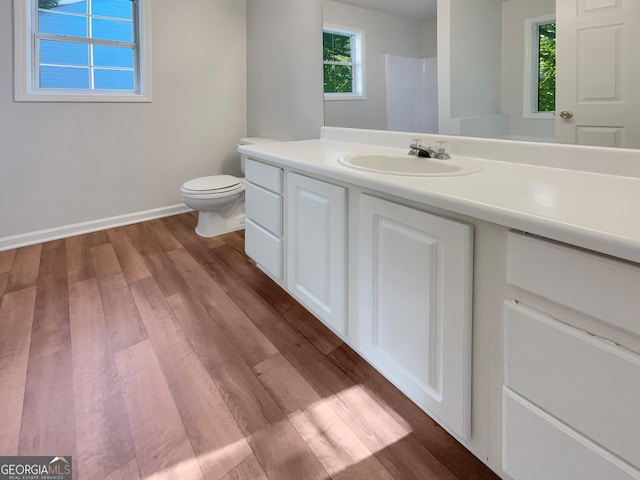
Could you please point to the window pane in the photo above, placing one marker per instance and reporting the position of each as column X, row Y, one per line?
column 337, row 48
column 113, row 8
column 83, row 63
column 113, row 79
column 106, row 56
column 338, row 79
column 547, row 68
column 64, row 77
column 62, row 24
column 112, row 30
column 63, row 53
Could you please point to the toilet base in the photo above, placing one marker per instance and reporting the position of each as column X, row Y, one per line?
column 211, row 224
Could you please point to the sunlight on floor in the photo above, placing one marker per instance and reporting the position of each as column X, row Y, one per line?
column 343, row 431
column 346, row 429
column 213, row 464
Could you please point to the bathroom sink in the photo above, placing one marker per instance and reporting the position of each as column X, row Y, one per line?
column 411, row 165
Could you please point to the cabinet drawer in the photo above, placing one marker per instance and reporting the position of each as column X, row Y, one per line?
column 264, row 208
column 267, row 176
column 592, row 284
column 264, row 248
column 537, row 446
column 590, row 384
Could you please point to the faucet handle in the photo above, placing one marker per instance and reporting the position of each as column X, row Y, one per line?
column 441, row 150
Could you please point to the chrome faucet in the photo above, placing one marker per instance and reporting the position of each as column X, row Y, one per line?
column 440, row 151
column 420, row 150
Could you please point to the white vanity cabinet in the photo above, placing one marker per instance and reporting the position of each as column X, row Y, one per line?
column 263, row 224
column 413, row 271
column 415, row 283
column 570, row 397
column 425, row 277
column 316, row 248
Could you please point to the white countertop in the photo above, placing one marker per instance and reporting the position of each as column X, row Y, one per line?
column 591, row 210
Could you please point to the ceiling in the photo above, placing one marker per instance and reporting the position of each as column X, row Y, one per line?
column 417, row 9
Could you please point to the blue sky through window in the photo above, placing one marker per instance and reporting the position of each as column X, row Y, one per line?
column 68, row 63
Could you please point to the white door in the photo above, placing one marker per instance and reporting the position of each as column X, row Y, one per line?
column 316, row 245
column 415, row 272
column 598, row 72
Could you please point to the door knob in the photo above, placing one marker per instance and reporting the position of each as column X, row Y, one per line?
column 566, row 114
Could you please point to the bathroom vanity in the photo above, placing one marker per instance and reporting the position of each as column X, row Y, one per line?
column 504, row 301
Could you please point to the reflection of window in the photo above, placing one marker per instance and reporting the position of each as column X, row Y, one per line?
column 81, row 50
column 343, row 63
column 540, row 67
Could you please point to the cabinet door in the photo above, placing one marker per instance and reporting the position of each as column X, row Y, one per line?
column 316, row 241
column 415, row 274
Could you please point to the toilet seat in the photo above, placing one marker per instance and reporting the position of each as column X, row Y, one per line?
column 218, row 199
column 212, row 186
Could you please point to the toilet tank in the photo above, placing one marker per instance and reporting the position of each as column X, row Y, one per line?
column 252, row 141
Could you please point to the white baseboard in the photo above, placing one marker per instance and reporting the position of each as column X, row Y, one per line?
column 31, row 238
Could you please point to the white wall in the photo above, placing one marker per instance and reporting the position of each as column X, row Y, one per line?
column 64, row 163
column 284, row 55
column 469, row 67
column 514, row 12
column 429, row 38
column 475, row 57
column 384, row 34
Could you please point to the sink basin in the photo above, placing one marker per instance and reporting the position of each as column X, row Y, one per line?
column 410, row 165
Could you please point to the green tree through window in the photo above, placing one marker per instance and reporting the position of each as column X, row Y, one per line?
column 48, row 4
column 338, row 63
column 547, row 67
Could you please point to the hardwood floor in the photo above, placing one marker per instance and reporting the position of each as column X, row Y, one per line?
column 147, row 352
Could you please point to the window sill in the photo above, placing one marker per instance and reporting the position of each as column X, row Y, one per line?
column 81, row 97
column 343, row 96
column 539, row 115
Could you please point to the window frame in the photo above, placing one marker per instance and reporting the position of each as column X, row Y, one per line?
column 357, row 61
column 531, row 67
column 26, row 59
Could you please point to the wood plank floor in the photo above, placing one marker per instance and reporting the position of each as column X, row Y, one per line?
column 147, row 352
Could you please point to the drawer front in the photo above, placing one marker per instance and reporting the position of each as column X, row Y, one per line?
column 536, row 446
column 590, row 384
column 592, row 284
column 264, row 208
column 267, row 176
column 264, row 248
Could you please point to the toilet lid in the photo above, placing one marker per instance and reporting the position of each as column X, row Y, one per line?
column 211, row 184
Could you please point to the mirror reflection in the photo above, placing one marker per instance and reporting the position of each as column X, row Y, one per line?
column 511, row 69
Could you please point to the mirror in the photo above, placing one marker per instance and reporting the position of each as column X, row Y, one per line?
column 460, row 69
column 390, row 35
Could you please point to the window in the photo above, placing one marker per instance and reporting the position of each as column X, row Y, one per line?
column 343, row 63
column 540, row 67
column 82, row 50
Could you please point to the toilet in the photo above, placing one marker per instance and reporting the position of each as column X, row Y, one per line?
column 218, row 199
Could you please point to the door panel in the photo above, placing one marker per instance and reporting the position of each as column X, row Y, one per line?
column 414, row 280
column 598, row 72
column 316, row 246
